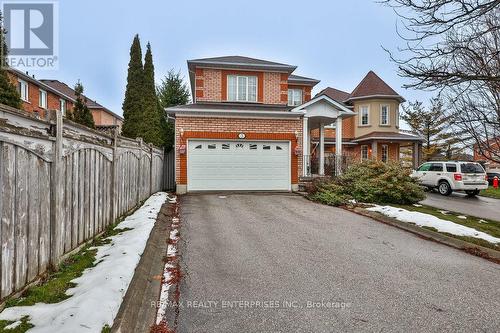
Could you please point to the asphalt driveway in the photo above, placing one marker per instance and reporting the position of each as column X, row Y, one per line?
column 279, row 263
column 483, row 207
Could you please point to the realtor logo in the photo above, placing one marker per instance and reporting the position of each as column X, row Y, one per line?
column 32, row 34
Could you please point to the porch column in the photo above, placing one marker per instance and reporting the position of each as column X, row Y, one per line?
column 338, row 146
column 321, row 149
column 305, row 148
column 374, row 150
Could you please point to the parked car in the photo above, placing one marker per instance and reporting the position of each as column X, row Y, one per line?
column 449, row 176
column 492, row 175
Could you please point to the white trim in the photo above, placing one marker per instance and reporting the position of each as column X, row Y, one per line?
column 205, row 62
column 343, row 110
column 367, row 153
column 237, row 114
column 361, row 115
column 388, row 114
column 41, row 93
column 26, row 90
column 237, row 76
column 290, row 152
column 382, row 153
column 398, row 97
column 293, row 90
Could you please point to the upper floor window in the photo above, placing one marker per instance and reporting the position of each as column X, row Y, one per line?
column 22, row 88
column 384, row 115
column 364, row 112
column 62, row 106
column 242, row 88
column 42, row 101
column 294, row 97
column 396, row 111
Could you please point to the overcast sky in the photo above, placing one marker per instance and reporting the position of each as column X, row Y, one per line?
column 335, row 41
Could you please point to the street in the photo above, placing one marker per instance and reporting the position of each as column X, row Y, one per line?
column 280, row 263
column 483, row 207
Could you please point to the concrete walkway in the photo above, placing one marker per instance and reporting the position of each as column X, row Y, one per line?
column 279, row 263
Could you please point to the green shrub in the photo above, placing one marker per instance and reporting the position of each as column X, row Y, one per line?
column 369, row 182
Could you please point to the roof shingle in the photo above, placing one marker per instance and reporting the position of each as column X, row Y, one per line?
column 372, row 85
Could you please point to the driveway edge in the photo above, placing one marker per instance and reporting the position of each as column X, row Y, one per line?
column 477, row 250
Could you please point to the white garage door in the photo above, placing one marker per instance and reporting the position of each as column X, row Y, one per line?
column 238, row 165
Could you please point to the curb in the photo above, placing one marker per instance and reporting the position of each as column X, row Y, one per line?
column 477, row 250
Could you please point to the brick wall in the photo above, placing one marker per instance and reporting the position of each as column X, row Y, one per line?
column 211, row 85
column 272, row 88
column 229, row 128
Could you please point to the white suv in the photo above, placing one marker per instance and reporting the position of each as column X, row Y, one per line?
column 452, row 176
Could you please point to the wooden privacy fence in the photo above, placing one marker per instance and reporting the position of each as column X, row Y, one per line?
column 62, row 184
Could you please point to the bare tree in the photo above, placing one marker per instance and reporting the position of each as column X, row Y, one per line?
column 454, row 46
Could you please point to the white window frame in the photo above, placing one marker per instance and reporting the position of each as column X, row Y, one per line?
column 388, row 123
column 386, row 153
column 247, row 88
column 42, row 102
column 361, row 115
column 362, row 149
column 24, row 88
column 292, row 101
column 396, row 111
column 62, row 106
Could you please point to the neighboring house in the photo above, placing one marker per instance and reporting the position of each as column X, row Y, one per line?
column 254, row 126
column 103, row 117
column 38, row 96
column 486, row 156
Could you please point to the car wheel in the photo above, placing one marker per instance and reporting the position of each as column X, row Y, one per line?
column 472, row 193
column 444, row 188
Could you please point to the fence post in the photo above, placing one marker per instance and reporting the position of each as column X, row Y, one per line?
column 151, row 164
column 114, row 203
column 139, row 172
column 56, row 209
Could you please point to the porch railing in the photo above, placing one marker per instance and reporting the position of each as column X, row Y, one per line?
column 311, row 164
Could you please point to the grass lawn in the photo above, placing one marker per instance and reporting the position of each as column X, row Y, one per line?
column 491, row 192
column 488, row 226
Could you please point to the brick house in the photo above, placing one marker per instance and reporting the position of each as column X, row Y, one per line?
column 254, row 125
column 486, row 156
column 38, row 96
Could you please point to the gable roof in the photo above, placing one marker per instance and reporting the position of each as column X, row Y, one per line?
column 335, row 94
column 373, row 85
column 68, row 91
column 241, row 62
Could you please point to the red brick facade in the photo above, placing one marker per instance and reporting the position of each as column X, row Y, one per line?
column 229, row 128
column 272, row 87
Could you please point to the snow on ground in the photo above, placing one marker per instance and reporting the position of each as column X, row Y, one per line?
column 99, row 291
column 169, row 267
column 427, row 220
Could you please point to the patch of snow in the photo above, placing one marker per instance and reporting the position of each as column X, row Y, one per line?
column 353, row 201
column 13, row 325
column 426, row 220
column 99, row 292
column 167, row 275
column 417, row 205
column 462, row 217
column 482, row 221
column 444, row 212
column 222, row 197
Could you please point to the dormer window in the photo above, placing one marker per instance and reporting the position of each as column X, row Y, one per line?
column 294, row 97
column 241, row 88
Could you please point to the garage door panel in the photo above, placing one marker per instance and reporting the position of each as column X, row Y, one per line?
column 236, row 165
